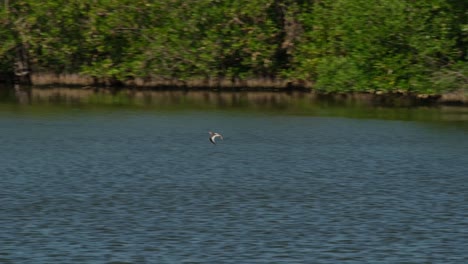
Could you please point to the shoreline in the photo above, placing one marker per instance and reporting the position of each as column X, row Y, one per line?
column 398, row 98
column 236, row 84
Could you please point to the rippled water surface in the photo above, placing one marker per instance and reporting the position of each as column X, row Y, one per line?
column 146, row 186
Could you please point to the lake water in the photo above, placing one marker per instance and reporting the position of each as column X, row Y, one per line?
column 87, row 184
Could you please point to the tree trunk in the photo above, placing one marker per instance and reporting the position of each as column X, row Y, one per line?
column 22, row 68
column 286, row 11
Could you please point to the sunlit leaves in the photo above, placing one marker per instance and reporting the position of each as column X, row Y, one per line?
column 340, row 45
column 386, row 45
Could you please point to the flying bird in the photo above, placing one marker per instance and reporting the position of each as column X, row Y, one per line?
column 214, row 135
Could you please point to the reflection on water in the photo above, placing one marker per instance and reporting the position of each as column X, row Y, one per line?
column 296, row 103
column 22, row 94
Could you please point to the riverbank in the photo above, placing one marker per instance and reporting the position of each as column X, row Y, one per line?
column 222, row 97
column 251, row 84
column 391, row 98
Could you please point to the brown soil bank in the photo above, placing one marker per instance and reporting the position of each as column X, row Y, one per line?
column 395, row 98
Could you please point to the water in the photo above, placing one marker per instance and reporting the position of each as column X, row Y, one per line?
column 112, row 185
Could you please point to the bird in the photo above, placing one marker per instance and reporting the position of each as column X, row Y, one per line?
column 214, row 135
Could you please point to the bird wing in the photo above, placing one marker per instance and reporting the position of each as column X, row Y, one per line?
column 212, row 139
column 215, row 135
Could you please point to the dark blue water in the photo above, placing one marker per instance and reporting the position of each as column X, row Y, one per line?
column 148, row 187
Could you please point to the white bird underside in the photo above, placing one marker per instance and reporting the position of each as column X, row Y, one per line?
column 213, row 136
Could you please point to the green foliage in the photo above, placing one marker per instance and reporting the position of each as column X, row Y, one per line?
column 8, row 40
column 378, row 45
column 339, row 45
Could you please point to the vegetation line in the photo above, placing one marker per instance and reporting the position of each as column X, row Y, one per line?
column 47, row 79
column 329, row 45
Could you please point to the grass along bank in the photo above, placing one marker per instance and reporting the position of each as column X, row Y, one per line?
column 206, row 97
column 388, row 98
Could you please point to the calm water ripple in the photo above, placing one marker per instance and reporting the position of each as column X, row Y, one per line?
column 148, row 187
